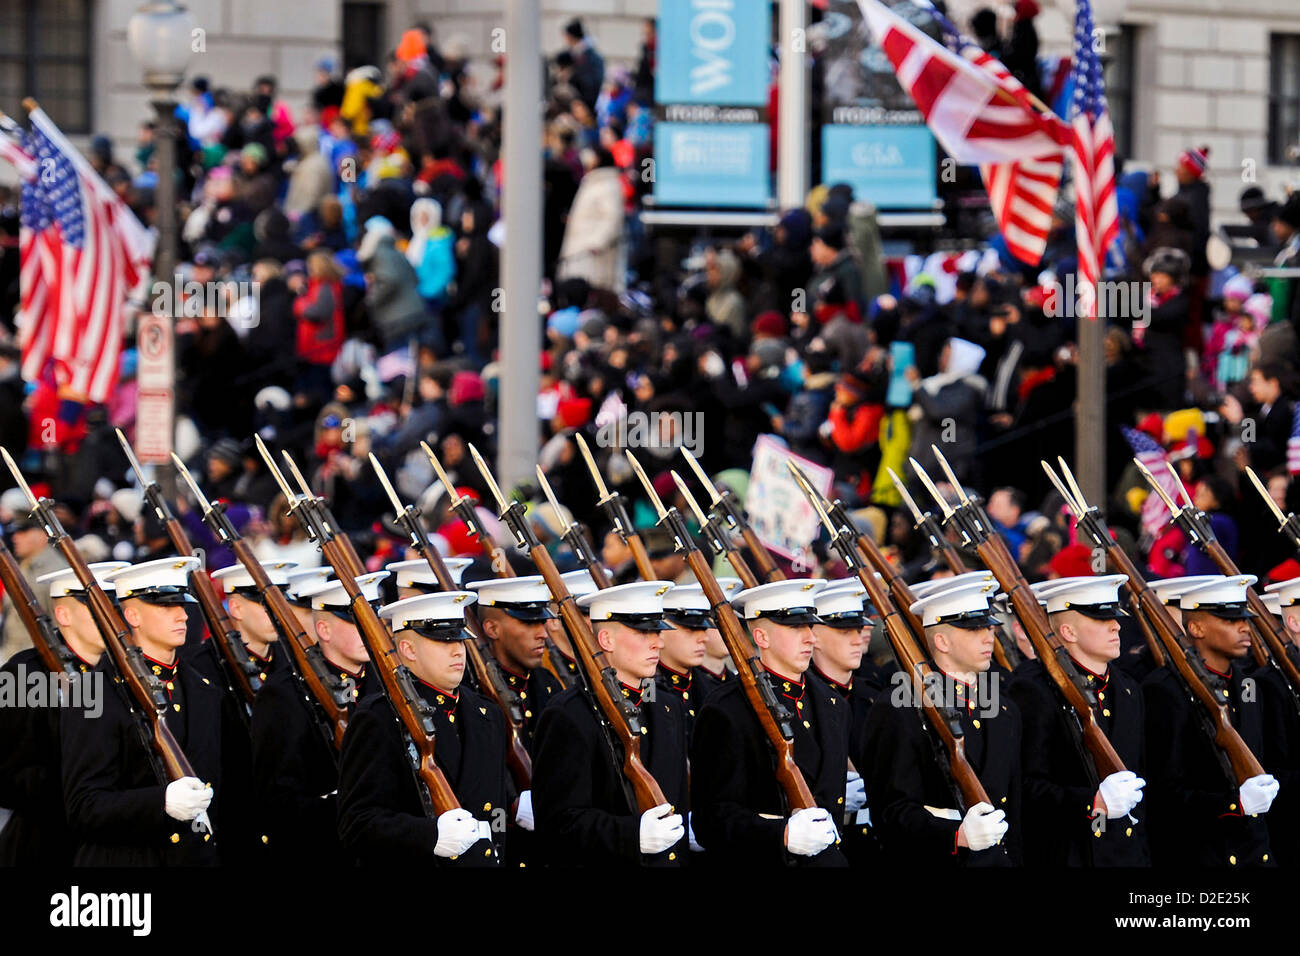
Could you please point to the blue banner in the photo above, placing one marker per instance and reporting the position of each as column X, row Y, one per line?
column 713, row 52
column 891, row 166
column 712, row 164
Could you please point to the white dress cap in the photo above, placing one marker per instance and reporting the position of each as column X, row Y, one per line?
column 791, row 602
column 236, row 577
column 639, row 605
column 163, row 581
column 965, row 606
column 64, row 583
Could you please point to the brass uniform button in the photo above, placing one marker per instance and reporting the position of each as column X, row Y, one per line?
column 1003, row 800
column 487, row 852
column 672, row 856
column 1232, row 860
column 487, row 806
column 261, row 676
column 528, row 713
column 1106, row 712
column 686, row 695
column 1232, row 806
column 799, row 705
column 171, row 686
column 265, row 839
column 523, row 694
column 451, row 718
column 175, row 838
column 207, row 837
column 1128, row 831
column 808, row 725
column 840, row 800
column 976, row 723
column 177, row 707
column 1265, row 857
column 646, row 729
column 457, row 857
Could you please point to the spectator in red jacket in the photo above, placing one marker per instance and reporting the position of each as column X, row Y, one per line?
column 319, row 311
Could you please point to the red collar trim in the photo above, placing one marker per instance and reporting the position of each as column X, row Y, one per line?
column 1227, row 676
column 842, row 688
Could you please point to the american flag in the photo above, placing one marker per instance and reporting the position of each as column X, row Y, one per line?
column 80, row 253
column 1022, row 194
column 1293, row 443
column 1148, row 451
column 975, row 118
column 1096, row 215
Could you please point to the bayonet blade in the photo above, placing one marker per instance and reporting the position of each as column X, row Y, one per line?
column 491, row 482
column 645, row 482
column 194, row 486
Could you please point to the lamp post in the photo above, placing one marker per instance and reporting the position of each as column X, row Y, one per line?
column 160, row 35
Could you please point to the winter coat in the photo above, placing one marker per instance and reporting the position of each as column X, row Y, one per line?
column 392, row 293
column 593, row 247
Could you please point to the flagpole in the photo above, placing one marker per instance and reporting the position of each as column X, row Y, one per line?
column 1090, row 413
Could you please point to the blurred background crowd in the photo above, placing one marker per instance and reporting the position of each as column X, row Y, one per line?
column 368, row 219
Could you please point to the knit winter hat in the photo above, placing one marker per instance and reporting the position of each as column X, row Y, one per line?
column 1195, row 161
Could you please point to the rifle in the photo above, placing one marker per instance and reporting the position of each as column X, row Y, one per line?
column 317, row 505
column 464, row 510
column 146, row 696
column 622, row 724
column 413, row 713
column 1286, row 523
column 240, row 672
column 1235, row 758
column 329, row 696
column 1070, row 685
column 52, row 649
column 487, row 672
column 1268, row 640
column 725, row 506
column 773, row 716
column 616, row 510
column 924, row 523
column 941, row 721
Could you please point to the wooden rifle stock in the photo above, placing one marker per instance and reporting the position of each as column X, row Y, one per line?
column 487, row 673
column 127, row 658
column 49, row 643
column 306, row 657
column 797, row 794
column 993, row 552
column 1263, row 625
column 591, row 657
column 396, row 683
column 240, row 671
column 1241, row 762
column 913, row 662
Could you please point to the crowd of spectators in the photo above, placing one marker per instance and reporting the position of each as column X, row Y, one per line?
column 347, row 247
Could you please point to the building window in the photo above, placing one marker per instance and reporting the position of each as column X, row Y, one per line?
column 1118, row 65
column 363, row 35
column 1284, row 99
column 45, row 54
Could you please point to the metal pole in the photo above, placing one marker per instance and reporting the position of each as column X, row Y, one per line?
column 521, row 259
column 792, row 106
column 1090, row 411
column 165, row 253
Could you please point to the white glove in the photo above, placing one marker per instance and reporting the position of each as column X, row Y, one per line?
column 524, row 813
column 660, row 828
column 457, row 832
column 1121, row 792
column 186, row 798
column 855, row 794
column 690, row 836
column 809, row 831
column 1258, row 793
column 983, row 826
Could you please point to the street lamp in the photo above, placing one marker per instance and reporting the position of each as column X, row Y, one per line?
column 160, row 35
